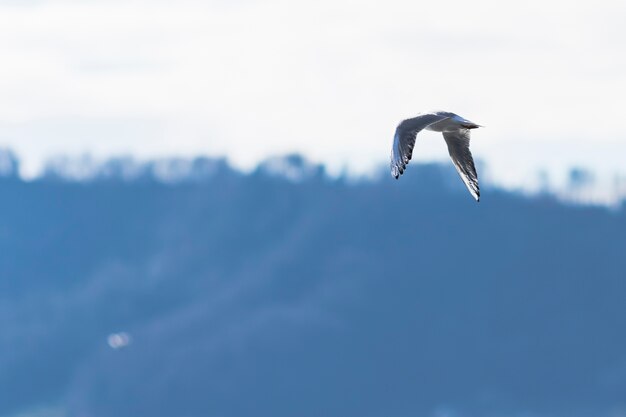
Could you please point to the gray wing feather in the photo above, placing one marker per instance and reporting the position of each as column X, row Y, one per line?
column 404, row 140
column 458, row 147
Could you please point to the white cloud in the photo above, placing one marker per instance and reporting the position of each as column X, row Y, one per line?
column 330, row 78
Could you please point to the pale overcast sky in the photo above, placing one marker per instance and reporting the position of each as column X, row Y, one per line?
column 328, row 78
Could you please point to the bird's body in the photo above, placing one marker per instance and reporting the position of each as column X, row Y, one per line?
column 456, row 132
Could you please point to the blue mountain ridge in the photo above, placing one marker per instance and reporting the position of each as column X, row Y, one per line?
column 285, row 292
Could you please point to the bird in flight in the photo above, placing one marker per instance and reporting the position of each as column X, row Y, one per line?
column 456, row 132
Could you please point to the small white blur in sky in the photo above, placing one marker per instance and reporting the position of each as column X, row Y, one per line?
column 118, row 340
column 328, row 78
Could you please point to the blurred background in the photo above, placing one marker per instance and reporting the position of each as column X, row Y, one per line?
column 198, row 218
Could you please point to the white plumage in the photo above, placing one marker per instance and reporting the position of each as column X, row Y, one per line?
column 456, row 132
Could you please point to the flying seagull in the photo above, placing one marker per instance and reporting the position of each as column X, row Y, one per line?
column 456, row 132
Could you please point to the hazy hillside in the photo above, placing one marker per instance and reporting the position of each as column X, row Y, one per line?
column 258, row 295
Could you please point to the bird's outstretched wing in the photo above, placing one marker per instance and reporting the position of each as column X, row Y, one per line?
column 458, row 147
column 404, row 140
